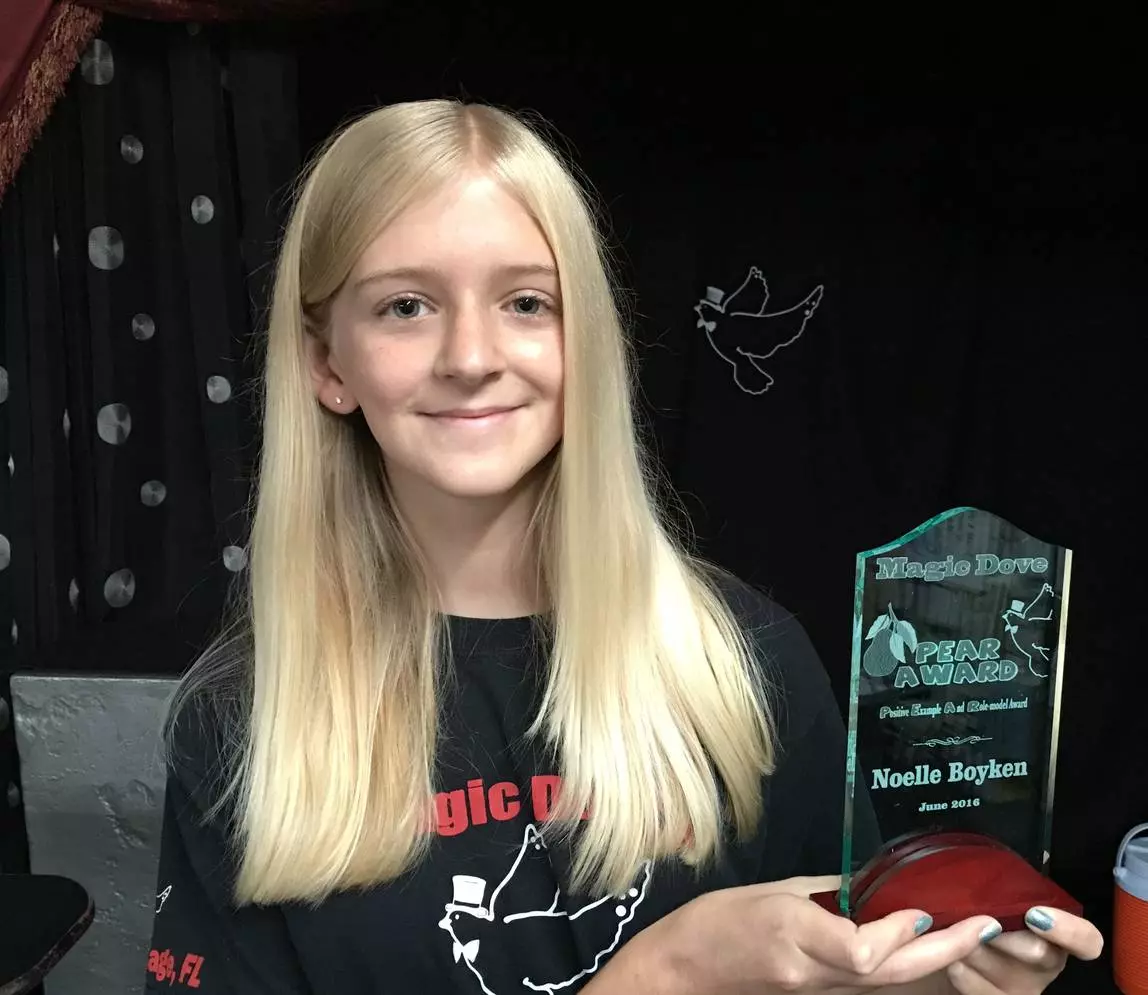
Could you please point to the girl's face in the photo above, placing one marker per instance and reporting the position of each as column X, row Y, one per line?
column 448, row 336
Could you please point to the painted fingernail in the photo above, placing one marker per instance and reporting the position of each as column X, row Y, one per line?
column 991, row 932
column 922, row 924
column 1038, row 919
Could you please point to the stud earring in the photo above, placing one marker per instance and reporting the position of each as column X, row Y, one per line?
column 338, row 400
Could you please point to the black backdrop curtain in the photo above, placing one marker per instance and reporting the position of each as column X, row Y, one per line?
column 970, row 209
column 135, row 252
column 973, row 208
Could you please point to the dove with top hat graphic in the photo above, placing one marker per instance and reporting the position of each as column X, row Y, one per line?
column 486, row 933
column 743, row 333
column 1029, row 628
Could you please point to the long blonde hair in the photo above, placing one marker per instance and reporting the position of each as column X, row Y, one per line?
column 653, row 704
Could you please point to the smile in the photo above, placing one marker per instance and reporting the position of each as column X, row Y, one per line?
column 479, row 418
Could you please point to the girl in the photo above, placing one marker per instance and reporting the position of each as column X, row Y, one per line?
column 481, row 724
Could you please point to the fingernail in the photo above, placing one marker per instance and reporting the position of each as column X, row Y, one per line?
column 1038, row 918
column 991, row 932
column 922, row 924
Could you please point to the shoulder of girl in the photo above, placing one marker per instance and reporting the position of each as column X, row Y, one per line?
column 789, row 662
column 202, row 729
column 754, row 608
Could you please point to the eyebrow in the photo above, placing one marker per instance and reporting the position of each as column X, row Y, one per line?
column 433, row 273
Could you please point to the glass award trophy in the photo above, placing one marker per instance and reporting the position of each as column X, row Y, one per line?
column 958, row 654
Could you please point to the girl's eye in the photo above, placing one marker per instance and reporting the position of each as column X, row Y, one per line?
column 403, row 307
column 529, row 305
column 407, row 308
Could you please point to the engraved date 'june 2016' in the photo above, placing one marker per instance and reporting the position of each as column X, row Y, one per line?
column 944, row 806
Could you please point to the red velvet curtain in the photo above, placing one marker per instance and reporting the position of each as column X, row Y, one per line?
column 28, row 25
column 41, row 44
column 43, row 40
column 220, row 10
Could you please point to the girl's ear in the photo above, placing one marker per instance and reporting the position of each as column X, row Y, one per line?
column 329, row 387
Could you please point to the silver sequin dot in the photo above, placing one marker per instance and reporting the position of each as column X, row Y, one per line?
column 55, row 244
column 3, row 384
column 131, row 148
column 234, row 558
column 13, row 795
column 73, row 594
column 11, row 466
column 114, row 423
column 120, row 588
column 153, row 492
column 67, row 424
column 218, row 389
column 143, row 326
column 202, row 209
column 15, row 632
column 5, row 552
column 96, row 64
column 105, row 247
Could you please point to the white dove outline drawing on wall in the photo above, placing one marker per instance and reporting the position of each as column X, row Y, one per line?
column 744, row 334
column 615, row 912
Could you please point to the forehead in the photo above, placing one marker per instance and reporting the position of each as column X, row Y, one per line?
column 471, row 223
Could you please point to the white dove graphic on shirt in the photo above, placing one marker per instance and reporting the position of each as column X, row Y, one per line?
column 475, row 927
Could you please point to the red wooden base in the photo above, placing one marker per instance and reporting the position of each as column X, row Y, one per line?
column 952, row 876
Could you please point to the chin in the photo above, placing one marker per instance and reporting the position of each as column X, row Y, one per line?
column 490, row 475
column 484, row 485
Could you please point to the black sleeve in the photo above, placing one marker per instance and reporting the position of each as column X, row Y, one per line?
column 200, row 939
column 805, row 795
column 807, row 803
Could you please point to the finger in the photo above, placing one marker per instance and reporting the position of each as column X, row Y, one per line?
column 1033, row 970
column 848, row 950
column 1078, row 936
column 935, row 951
column 1025, row 948
column 876, row 941
column 968, row 981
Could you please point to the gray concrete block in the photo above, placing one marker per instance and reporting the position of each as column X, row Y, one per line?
column 93, row 778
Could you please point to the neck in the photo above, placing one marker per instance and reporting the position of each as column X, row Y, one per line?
column 476, row 549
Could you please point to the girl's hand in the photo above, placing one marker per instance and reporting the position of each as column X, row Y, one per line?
column 1027, row 963
column 767, row 939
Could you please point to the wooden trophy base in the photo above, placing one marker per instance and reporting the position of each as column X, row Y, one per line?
column 952, row 876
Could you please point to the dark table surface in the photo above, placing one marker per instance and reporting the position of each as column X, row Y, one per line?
column 44, row 915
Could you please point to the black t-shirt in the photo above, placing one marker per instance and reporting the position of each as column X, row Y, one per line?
column 487, row 912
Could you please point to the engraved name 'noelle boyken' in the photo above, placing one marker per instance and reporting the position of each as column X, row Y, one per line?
column 982, row 565
column 922, row 774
